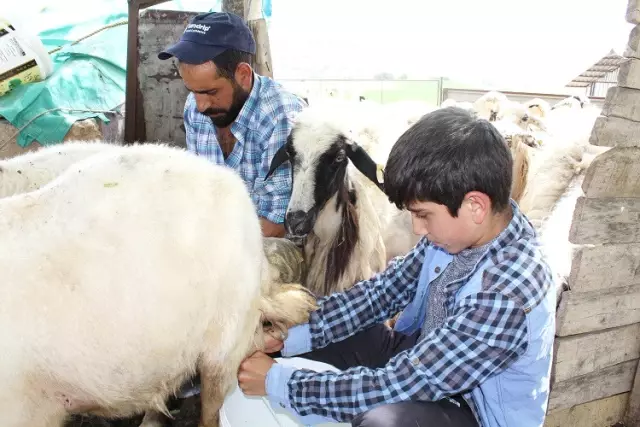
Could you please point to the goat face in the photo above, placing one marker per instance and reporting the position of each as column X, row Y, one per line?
column 319, row 154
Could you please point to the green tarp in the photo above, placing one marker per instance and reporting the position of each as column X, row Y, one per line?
column 89, row 75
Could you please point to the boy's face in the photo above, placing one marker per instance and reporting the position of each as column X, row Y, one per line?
column 453, row 234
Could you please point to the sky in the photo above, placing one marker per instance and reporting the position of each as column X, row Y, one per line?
column 542, row 43
column 512, row 44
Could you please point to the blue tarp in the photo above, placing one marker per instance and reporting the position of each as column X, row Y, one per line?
column 89, row 75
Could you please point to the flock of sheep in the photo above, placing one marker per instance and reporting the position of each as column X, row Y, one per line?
column 549, row 144
column 128, row 268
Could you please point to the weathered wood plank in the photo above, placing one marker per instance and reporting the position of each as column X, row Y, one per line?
column 615, row 173
column 605, row 220
column 164, row 91
column 622, row 102
column 632, row 417
column 263, row 64
column 615, row 132
column 605, row 267
column 629, row 74
column 599, row 413
column 582, row 312
column 596, row 385
column 633, row 12
column 581, row 354
column 633, row 45
column 238, row 7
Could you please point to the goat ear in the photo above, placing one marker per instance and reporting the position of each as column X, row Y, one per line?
column 279, row 158
column 365, row 164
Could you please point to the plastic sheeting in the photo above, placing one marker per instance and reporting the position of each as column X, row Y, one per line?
column 90, row 75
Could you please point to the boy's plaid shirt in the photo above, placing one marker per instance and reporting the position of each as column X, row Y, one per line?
column 484, row 332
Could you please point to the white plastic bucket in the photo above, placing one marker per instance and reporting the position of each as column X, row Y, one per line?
column 23, row 58
column 239, row 410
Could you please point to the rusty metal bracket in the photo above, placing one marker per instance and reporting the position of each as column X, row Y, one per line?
column 134, row 114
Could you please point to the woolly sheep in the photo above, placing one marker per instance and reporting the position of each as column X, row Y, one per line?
column 538, row 107
column 124, row 275
column 573, row 101
column 351, row 228
column 450, row 102
column 32, row 170
column 552, row 187
column 491, row 106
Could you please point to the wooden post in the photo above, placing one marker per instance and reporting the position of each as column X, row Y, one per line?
column 597, row 348
column 629, row 136
column 251, row 11
column 632, row 417
column 134, row 125
column 262, row 62
column 235, row 6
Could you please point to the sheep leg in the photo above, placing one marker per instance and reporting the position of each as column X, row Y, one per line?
column 214, row 387
column 23, row 411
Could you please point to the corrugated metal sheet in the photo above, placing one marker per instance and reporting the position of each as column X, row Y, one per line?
column 598, row 71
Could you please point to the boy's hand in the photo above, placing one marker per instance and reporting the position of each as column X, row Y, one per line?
column 252, row 375
column 271, row 343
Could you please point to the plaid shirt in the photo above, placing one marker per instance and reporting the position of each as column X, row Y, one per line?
column 483, row 334
column 261, row 128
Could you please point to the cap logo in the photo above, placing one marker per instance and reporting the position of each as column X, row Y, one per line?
column 197, row 28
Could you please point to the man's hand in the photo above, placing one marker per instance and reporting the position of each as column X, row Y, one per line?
column 252, row 375
column 272, row 342
column 271, row 229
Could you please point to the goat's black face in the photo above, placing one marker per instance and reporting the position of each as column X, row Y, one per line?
column 319, row 155
column 317, row 177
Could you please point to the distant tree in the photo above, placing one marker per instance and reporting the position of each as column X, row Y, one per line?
column 383, row 76
column 402, row 77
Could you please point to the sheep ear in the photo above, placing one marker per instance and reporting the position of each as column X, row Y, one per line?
column 365, row 164
column 279, row 158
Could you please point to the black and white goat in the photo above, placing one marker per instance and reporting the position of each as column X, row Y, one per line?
column 351, row 229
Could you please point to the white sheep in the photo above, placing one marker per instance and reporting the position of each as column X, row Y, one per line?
column 553, row 184
column 572, row 102
column 124, row 275
column 450, row 102
column 538, row 107
column 491, row 106
column 520, row 115
column 351, row 228
column 30, row 171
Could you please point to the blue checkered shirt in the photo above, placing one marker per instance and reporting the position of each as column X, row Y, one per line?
column 261, row 128
column 482, row 334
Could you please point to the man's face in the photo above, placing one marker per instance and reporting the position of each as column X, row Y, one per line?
column 217, row 97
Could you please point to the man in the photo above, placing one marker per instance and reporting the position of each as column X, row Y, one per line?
column 473, row 346
column 233, row 116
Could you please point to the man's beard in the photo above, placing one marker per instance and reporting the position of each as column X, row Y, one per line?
column 228, row 116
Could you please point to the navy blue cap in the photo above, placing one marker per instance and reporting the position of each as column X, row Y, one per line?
column 210, row 34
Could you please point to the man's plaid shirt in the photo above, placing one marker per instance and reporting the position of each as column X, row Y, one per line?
column 261, row 128
column 482, row 335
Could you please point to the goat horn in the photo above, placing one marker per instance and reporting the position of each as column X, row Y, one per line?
column 279, row 158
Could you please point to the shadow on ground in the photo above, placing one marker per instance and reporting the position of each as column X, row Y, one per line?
column 187, row 415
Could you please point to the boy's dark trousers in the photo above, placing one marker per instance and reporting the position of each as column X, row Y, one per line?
column 373, row 348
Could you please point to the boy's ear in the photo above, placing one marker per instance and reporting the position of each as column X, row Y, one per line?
column 479, row 204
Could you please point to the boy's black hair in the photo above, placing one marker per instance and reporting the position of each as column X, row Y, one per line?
column 227, row 62
column 446, row 154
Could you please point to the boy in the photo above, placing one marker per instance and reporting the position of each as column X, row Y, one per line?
column 473, row 346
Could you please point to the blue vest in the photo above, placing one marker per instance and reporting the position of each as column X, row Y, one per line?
column 518, row 395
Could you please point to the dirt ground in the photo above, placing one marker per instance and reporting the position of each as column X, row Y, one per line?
column 186, row 415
